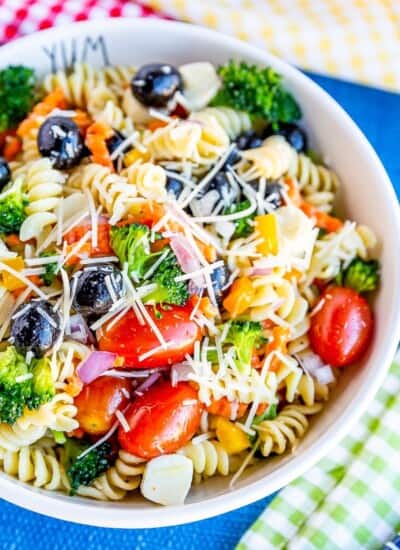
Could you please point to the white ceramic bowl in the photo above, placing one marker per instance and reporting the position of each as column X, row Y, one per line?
column 368, row 197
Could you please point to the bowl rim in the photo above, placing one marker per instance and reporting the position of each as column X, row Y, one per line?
column 97, row 513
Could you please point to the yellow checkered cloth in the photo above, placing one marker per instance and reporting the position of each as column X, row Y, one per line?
column 351, row 39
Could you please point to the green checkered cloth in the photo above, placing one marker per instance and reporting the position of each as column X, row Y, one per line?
column 349, row 501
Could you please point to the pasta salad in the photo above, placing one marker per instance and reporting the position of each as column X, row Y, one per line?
column 177, row 294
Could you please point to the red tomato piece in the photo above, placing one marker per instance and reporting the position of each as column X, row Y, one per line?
column 130, row 339
column 161, row 421
column 103, row 247
column 342, row 327
column 98, row 402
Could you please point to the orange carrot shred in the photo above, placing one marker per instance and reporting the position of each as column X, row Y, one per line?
column 96, row 137
column 55, row 99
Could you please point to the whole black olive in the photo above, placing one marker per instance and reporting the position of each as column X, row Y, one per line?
column 5, row 173
column 35, row 327
column 155, row 84
column 97, row 288
column 174, row 187
column 293, row 134
column 249, row 140
column 59, row 139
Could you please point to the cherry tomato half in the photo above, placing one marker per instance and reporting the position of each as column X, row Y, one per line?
column 342, row 327
column 161, row 421
column 130, row 339
column 98, row 402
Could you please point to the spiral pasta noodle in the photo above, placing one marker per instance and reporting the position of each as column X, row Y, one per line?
column 125, row 475
column 64, row 361
column 111, row 190
column 14, row 437
column 271, row 161
column 150, row 180
column 278, row 300
column 232, row 122
column 282, row 433
column 58, row 414
column 317, row 183
column 78, row 83
column 188, row 141
column 37, row 464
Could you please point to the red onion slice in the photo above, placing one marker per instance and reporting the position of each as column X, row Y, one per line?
column 78, row 330
column 180, row 372
column 152, row 379
column 95, row 364
column 324, row 375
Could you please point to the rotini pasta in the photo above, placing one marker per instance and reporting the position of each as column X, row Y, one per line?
column 37, row 464
column 58, row 414
column 112, row 191
column 149, row 179
column 233, row 122
column 282, row 433
column 318, row 183
column 272, row 160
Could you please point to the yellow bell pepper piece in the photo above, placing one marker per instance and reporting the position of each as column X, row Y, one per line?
column 267, row 227
column 9, row 281
column 240, row 297
column 135, row 155
column 232, row 438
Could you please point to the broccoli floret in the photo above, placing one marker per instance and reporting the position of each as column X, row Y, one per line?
column 12, row 210
column 245, row 336
column 131, row 243
column 50, row 273
column 22, row 385
column 42, row 383
column 360, row 275
column 17, row 95
column 15, row 385
column 168, row 290
column 243, row 227
column 258, row 91
column 82, row 471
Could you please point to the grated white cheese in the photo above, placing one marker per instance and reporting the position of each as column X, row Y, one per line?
column 23, row 377
column 122, row 420
column 94, row 217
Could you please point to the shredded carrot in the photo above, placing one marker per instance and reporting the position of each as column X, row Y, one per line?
column 293, row 191
column 322, row 220
column 82, row 120
column 13, row 240
column 96, row 137
column 223, row 407
column 262, row 407
column 12, row 147
column 293, row 274
column 53, row 100
column 145, row 212
column 156, row 124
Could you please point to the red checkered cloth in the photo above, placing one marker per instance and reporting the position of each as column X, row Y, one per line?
column 19, row 17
